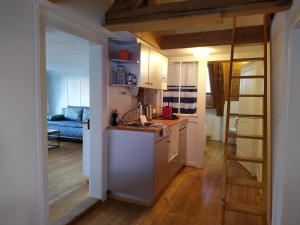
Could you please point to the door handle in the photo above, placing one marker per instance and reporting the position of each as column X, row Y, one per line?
column 86, row 122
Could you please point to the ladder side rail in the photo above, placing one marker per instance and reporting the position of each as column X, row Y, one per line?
column 228, row 117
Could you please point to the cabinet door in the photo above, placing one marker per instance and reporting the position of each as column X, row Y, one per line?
column 161, row 164
column 173, row 141
column 182, row 146
column 164, row 72
column 173, row 165
column 155, row 70
column 144, row 66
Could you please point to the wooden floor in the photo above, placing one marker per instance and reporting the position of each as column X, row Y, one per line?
column 193, row 198
column 67, row 187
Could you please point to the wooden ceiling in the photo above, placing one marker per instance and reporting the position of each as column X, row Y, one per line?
column 147, row 18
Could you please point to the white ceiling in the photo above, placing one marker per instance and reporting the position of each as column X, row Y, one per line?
column 66, row 54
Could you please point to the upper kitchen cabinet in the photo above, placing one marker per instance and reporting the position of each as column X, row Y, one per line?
column 144, row 66
column 157, row 69
column 136, row 64
column 155, row 65
column 124, row 58
column 164, row 72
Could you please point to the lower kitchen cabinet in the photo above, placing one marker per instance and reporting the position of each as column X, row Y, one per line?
column 182, row 144
column 161, row 164
column 139, row 163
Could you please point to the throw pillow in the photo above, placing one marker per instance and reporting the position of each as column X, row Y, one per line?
column 86, row 113
column 74, row 113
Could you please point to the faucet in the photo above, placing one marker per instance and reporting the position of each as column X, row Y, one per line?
column 139, row 109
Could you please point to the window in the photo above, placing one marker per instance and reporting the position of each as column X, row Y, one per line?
column 182, row 87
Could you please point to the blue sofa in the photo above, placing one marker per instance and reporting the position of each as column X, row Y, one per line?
column 69, row 122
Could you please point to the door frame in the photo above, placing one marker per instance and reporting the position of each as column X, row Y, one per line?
column 47, row 14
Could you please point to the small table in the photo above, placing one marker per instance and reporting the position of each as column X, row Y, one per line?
column 54, row 135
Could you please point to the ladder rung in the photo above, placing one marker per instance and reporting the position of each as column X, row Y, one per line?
column 248, row 95
column 246, row 115
column 244, row 159
column 234, row 135
column 248, row 77
column 248, row 59
column 244, row 182
column 237, row 207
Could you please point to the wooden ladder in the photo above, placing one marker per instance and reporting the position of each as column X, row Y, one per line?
column 228, row 205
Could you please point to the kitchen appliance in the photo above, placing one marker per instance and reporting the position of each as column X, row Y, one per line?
column 148, row 111
column 167, row 112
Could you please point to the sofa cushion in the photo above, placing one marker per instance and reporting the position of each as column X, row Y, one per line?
column 74, row 113
column 66, row 123
column 86, row 113
column 56, row 117
column 69, row 130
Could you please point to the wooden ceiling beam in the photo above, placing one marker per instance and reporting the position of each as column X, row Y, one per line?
column 169, row 24
column 151, row 38
column 244, row 35
column 140, row 16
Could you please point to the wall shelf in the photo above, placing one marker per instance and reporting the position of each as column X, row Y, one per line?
column 123, row 85
column 120, row 61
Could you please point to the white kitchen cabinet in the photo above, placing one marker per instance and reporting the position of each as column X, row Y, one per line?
column 173, row 150
column 164, row 71
column 182, row 144
column 138, row 165
column 155, row 65
column 173, row 141
column 161, row 164
column 144, row 66
column 153, row 68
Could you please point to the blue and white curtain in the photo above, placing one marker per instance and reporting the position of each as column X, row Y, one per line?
column 182, row 87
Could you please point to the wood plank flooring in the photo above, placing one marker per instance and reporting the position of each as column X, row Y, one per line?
column 193, row 198
column 67, row 187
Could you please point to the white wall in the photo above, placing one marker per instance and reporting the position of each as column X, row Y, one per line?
column 20, row 133
column 121, row 100
column 64, row 90
column 285, row 117
column 18, row 140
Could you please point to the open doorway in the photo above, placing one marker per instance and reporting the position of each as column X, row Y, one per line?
column 69, row 69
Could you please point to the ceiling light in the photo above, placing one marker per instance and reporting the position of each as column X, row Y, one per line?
column 201, row 52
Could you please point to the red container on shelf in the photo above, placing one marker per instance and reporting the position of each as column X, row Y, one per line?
column 124, row 54
column 167, row 112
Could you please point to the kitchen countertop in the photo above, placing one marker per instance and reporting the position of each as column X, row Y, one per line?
column 168, row 123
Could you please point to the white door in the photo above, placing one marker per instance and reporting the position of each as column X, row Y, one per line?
column 249, row 105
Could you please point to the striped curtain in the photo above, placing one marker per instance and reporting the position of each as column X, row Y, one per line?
column 182, row 87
